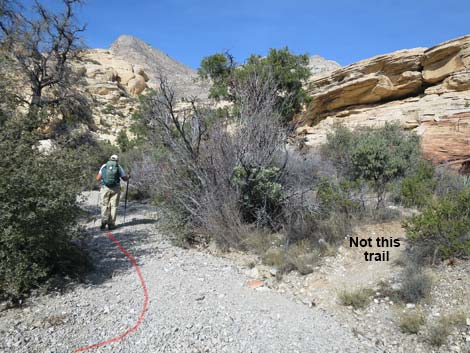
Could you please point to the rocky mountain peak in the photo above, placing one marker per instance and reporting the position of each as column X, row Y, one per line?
column 156, row 63
column 319, row 65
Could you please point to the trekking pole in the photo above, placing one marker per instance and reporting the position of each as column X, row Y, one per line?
column 125, row 200
column 98, row 204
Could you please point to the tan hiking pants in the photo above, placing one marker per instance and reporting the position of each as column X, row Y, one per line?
column 109, row 204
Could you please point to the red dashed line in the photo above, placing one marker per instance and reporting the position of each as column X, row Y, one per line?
column 146, row 299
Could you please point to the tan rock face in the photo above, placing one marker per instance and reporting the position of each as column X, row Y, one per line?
column 136, row 85
column 448, row 139
column 446, row 58
column 426, row 90
column 368, row 81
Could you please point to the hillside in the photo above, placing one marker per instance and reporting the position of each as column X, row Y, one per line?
column 426, row 90
column 114, row 78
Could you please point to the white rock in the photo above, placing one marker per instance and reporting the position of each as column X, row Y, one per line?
column 410, row 306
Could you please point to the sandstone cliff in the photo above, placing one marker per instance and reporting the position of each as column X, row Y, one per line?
column 426, row 90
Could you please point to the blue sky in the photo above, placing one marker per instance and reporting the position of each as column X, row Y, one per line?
column 342, row 30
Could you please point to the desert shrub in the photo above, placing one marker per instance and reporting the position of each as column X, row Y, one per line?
column 449, row 182
column 375, row 156
column 443, row 226
column 38, row 213
column 411, row 322
column 338, row 148
column 418, row 188
column 358, row 298
column 456, row 319
column 260, row 193
column 274, row 256
column 301, row 257
column 440, row 330
column 438, row 333
column 336, row 197
column 123, row 141
column 416, row 285
column 219, row 173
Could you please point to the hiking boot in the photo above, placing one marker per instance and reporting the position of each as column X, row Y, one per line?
column 103, row 226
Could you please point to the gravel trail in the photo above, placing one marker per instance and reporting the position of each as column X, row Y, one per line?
column 198, row 303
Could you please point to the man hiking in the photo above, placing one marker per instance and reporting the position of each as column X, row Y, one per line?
column 110, row 175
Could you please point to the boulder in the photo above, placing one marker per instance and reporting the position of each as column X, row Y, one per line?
column 46, row 146
column 139, row 70
column 136, row 85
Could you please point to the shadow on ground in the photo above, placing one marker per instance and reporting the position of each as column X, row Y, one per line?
column 136, row 235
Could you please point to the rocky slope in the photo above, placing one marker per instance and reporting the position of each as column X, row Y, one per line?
column 426, row 90
column 114, row 77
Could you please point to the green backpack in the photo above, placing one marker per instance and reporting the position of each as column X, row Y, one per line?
column 111, row 174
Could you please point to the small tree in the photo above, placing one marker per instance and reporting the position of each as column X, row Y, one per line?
column 42, row 45
column 38, row 213
column 219, row 68
column 123, row 141
column 288, row 72
column 375, row 156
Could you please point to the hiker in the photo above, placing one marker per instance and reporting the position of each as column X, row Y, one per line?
column 110, row 175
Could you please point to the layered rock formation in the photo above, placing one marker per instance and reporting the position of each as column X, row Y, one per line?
column 427, row 90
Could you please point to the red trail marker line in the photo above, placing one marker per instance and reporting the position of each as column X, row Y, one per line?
column 146, row 299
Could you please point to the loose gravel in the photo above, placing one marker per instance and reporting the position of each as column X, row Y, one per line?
column 198, row 303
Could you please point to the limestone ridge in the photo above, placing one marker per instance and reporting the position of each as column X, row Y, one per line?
column 423, row 89
column 155, row 62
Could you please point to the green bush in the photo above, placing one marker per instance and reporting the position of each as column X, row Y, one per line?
column 411, row 322
column 375, row 156
column 416, row 285
column 123, row 141
column 358, row 298
column 38, row 214
column 437, row 334
column 443, row 226
column 260, row 192
column 336, row 197
column 417, row 189
column 288, row 71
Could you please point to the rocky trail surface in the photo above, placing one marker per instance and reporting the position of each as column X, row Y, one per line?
column 198, row 303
